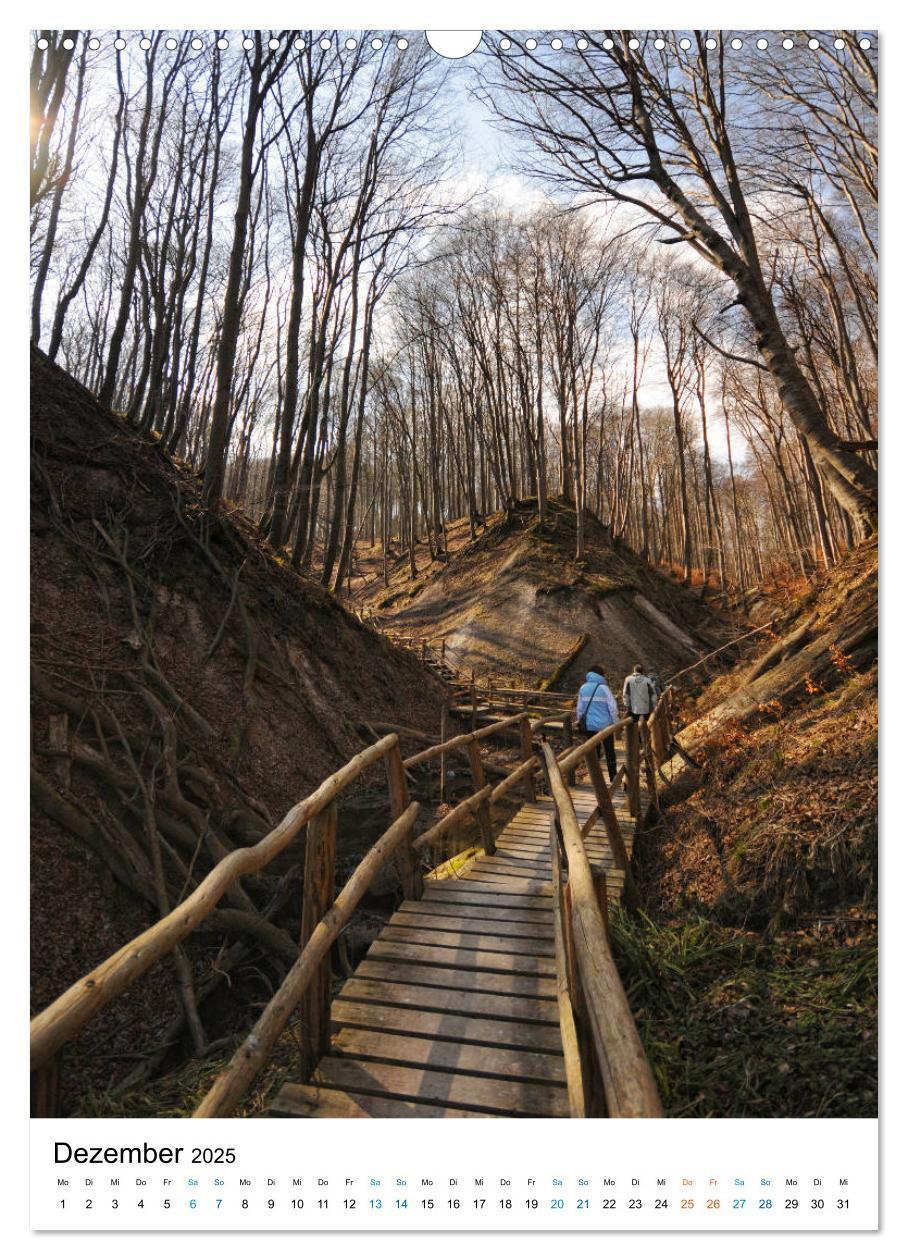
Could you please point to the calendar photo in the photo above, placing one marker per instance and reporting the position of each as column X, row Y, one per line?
column 453, row 610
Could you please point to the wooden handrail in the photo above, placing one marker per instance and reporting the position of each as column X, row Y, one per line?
column 253, row 1054
column 536, row 724
column 659, row 726
column 530, row 692
column 567, row 761
column 460, row 741
column 573, row 1066
column 531, row 766
column 630, row 1089
column 756, row 630
column 68, row 1015
column 466, row 806
column 63, row 1019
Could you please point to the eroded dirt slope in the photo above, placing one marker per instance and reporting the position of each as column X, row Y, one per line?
column 188, row 688
column 516, row 602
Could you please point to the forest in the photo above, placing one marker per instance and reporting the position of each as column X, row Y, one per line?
column 380, row 403
column 365, row 291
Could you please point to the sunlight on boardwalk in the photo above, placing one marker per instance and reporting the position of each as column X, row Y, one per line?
column 452, row 1013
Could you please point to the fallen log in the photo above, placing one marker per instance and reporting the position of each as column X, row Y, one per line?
column 781, row 650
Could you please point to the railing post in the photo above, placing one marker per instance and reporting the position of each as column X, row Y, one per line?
column 632, row 745
column 612, row 828
column 443, row 758
column 654, row 722
column 649, row 765
column 526, row 752
column 568, row 726
column 483, row 809
column 45, row 1089
column 666, row 720
column 473, row 699
column 405, row 858
column 318, row 898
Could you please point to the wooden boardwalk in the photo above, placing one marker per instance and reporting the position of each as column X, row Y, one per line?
column 453, row 1011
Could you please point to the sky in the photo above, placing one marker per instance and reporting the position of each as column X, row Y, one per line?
column 491, row 165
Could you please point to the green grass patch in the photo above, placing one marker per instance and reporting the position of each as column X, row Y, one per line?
column 736, row 1024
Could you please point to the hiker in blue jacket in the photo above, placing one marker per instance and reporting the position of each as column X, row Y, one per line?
column 597, row 709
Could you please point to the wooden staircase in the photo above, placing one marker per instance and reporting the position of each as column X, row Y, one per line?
column 453, row 1011
column 491, row 992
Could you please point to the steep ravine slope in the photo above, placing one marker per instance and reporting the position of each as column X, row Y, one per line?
column 515, row 602
column 188, row 688
column 753, row 971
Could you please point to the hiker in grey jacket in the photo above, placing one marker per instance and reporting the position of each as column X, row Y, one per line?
column 597, row 709
column 639, row 694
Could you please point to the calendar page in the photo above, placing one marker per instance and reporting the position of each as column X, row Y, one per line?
column 454, row 525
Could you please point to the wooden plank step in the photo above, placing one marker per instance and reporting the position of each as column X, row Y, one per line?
column 517, row 865
column 527, row 1010
column 313, row 1102
column 448, row 1026
column 541, row 919
column 509, row 852
column 530, row 833
column 525, row 840
column 449, row 893
column 491, row 881
column 453, row 978
column 516, row 876
column 439, row 955
column 443, row 1089
column 508, row 849
column 456, row 922
column 515, row 862
column 512, row 946
column 520, row 852
column 514, row 856
column 490, row 870
column 450, row 1056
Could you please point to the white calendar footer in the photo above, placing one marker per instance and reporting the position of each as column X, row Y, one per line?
column 460, row 1174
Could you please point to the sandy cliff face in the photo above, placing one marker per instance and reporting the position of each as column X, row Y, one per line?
column 516, row 602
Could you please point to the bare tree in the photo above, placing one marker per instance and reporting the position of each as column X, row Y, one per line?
column 617, row 120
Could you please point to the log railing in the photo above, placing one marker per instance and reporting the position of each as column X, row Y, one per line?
column 604, row 1056
column 63, row 1019
column 589, row 753
column 322, row 918
column 473, row 690
column 228, row 1090
column 306, row 988
column 478, row 804
column 660, row 727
